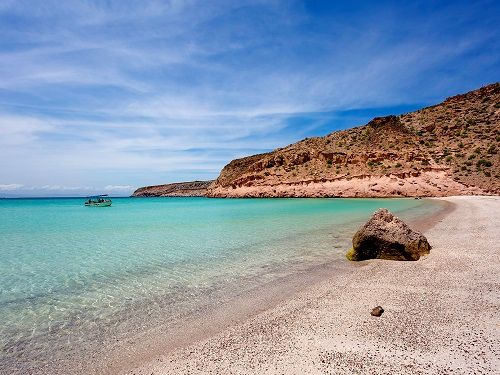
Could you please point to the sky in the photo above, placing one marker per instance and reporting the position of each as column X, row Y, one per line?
column 107, row 96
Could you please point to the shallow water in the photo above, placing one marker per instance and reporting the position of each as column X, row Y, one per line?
column 73, row 276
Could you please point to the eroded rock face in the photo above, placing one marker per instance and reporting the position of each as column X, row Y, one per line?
column 448, row 149
column 385, row 236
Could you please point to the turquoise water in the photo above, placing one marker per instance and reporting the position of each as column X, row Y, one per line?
column 73, row 275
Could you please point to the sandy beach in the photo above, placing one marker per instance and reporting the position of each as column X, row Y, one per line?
column 441, row 314
column 235, row 187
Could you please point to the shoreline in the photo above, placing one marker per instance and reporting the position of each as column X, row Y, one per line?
column 213, row 320
column 152, row 341
column 425, row 224
column 239, row 310
column 122, row 346
column 217, row 319
column 255, row 335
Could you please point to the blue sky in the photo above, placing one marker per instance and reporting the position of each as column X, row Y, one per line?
column 106, row 96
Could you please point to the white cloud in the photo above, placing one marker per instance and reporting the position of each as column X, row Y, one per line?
column 61, row 188
column 9, row 187
column 115, row 92
column 118, row 187
column 16, row 130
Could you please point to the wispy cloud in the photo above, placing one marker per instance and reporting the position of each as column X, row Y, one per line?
column 118, row 187
column 10, row 187
column 99, row 93
column 29, row 190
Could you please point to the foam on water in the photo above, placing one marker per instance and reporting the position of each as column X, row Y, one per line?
column 73, row 275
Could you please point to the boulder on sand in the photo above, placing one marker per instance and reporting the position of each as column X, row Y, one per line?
column 385, row 236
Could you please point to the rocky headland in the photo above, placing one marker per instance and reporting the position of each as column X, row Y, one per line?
column 443, row 150
column 179, row 189
column 447, row 149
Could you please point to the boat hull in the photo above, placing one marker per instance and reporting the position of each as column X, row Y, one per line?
column 98, row 204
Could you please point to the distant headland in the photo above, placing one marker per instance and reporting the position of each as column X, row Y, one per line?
column 178, row 189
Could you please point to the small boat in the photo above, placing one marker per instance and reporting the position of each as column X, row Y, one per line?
column 98, row 201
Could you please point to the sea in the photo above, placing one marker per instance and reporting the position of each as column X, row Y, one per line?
column 77, row 280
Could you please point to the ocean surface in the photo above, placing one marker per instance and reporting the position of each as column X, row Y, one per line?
column 74, row 277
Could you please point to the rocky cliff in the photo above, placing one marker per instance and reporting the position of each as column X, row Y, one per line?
column 179, row 189
column 447, row 149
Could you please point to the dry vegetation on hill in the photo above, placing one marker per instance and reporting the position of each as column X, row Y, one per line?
column 448, row 149
column 178, row 189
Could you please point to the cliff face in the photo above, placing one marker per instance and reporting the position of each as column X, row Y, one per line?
column 179, row 189
column 447, row 149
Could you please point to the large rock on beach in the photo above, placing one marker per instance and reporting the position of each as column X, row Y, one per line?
column 385, row 236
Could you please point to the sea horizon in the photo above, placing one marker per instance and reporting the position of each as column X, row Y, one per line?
column 72, row 197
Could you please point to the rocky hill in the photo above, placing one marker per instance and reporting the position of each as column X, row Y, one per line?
column 447, row 149
column 179, row 189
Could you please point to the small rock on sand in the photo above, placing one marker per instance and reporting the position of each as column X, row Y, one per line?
column 377, row 311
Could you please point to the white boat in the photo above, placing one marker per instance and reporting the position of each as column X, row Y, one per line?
column 98, row 201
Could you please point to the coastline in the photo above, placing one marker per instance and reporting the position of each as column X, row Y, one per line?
column 435, row 320
column 121, row 339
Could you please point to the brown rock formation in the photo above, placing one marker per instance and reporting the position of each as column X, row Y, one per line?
column 448, row 149
column 385, row 236
column 179, row 189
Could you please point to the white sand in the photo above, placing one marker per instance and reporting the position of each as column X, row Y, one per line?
column 442, row 314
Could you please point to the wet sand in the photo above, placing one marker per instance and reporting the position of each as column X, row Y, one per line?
column 441, row 314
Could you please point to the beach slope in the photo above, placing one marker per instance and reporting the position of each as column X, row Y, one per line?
column 441, row 314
